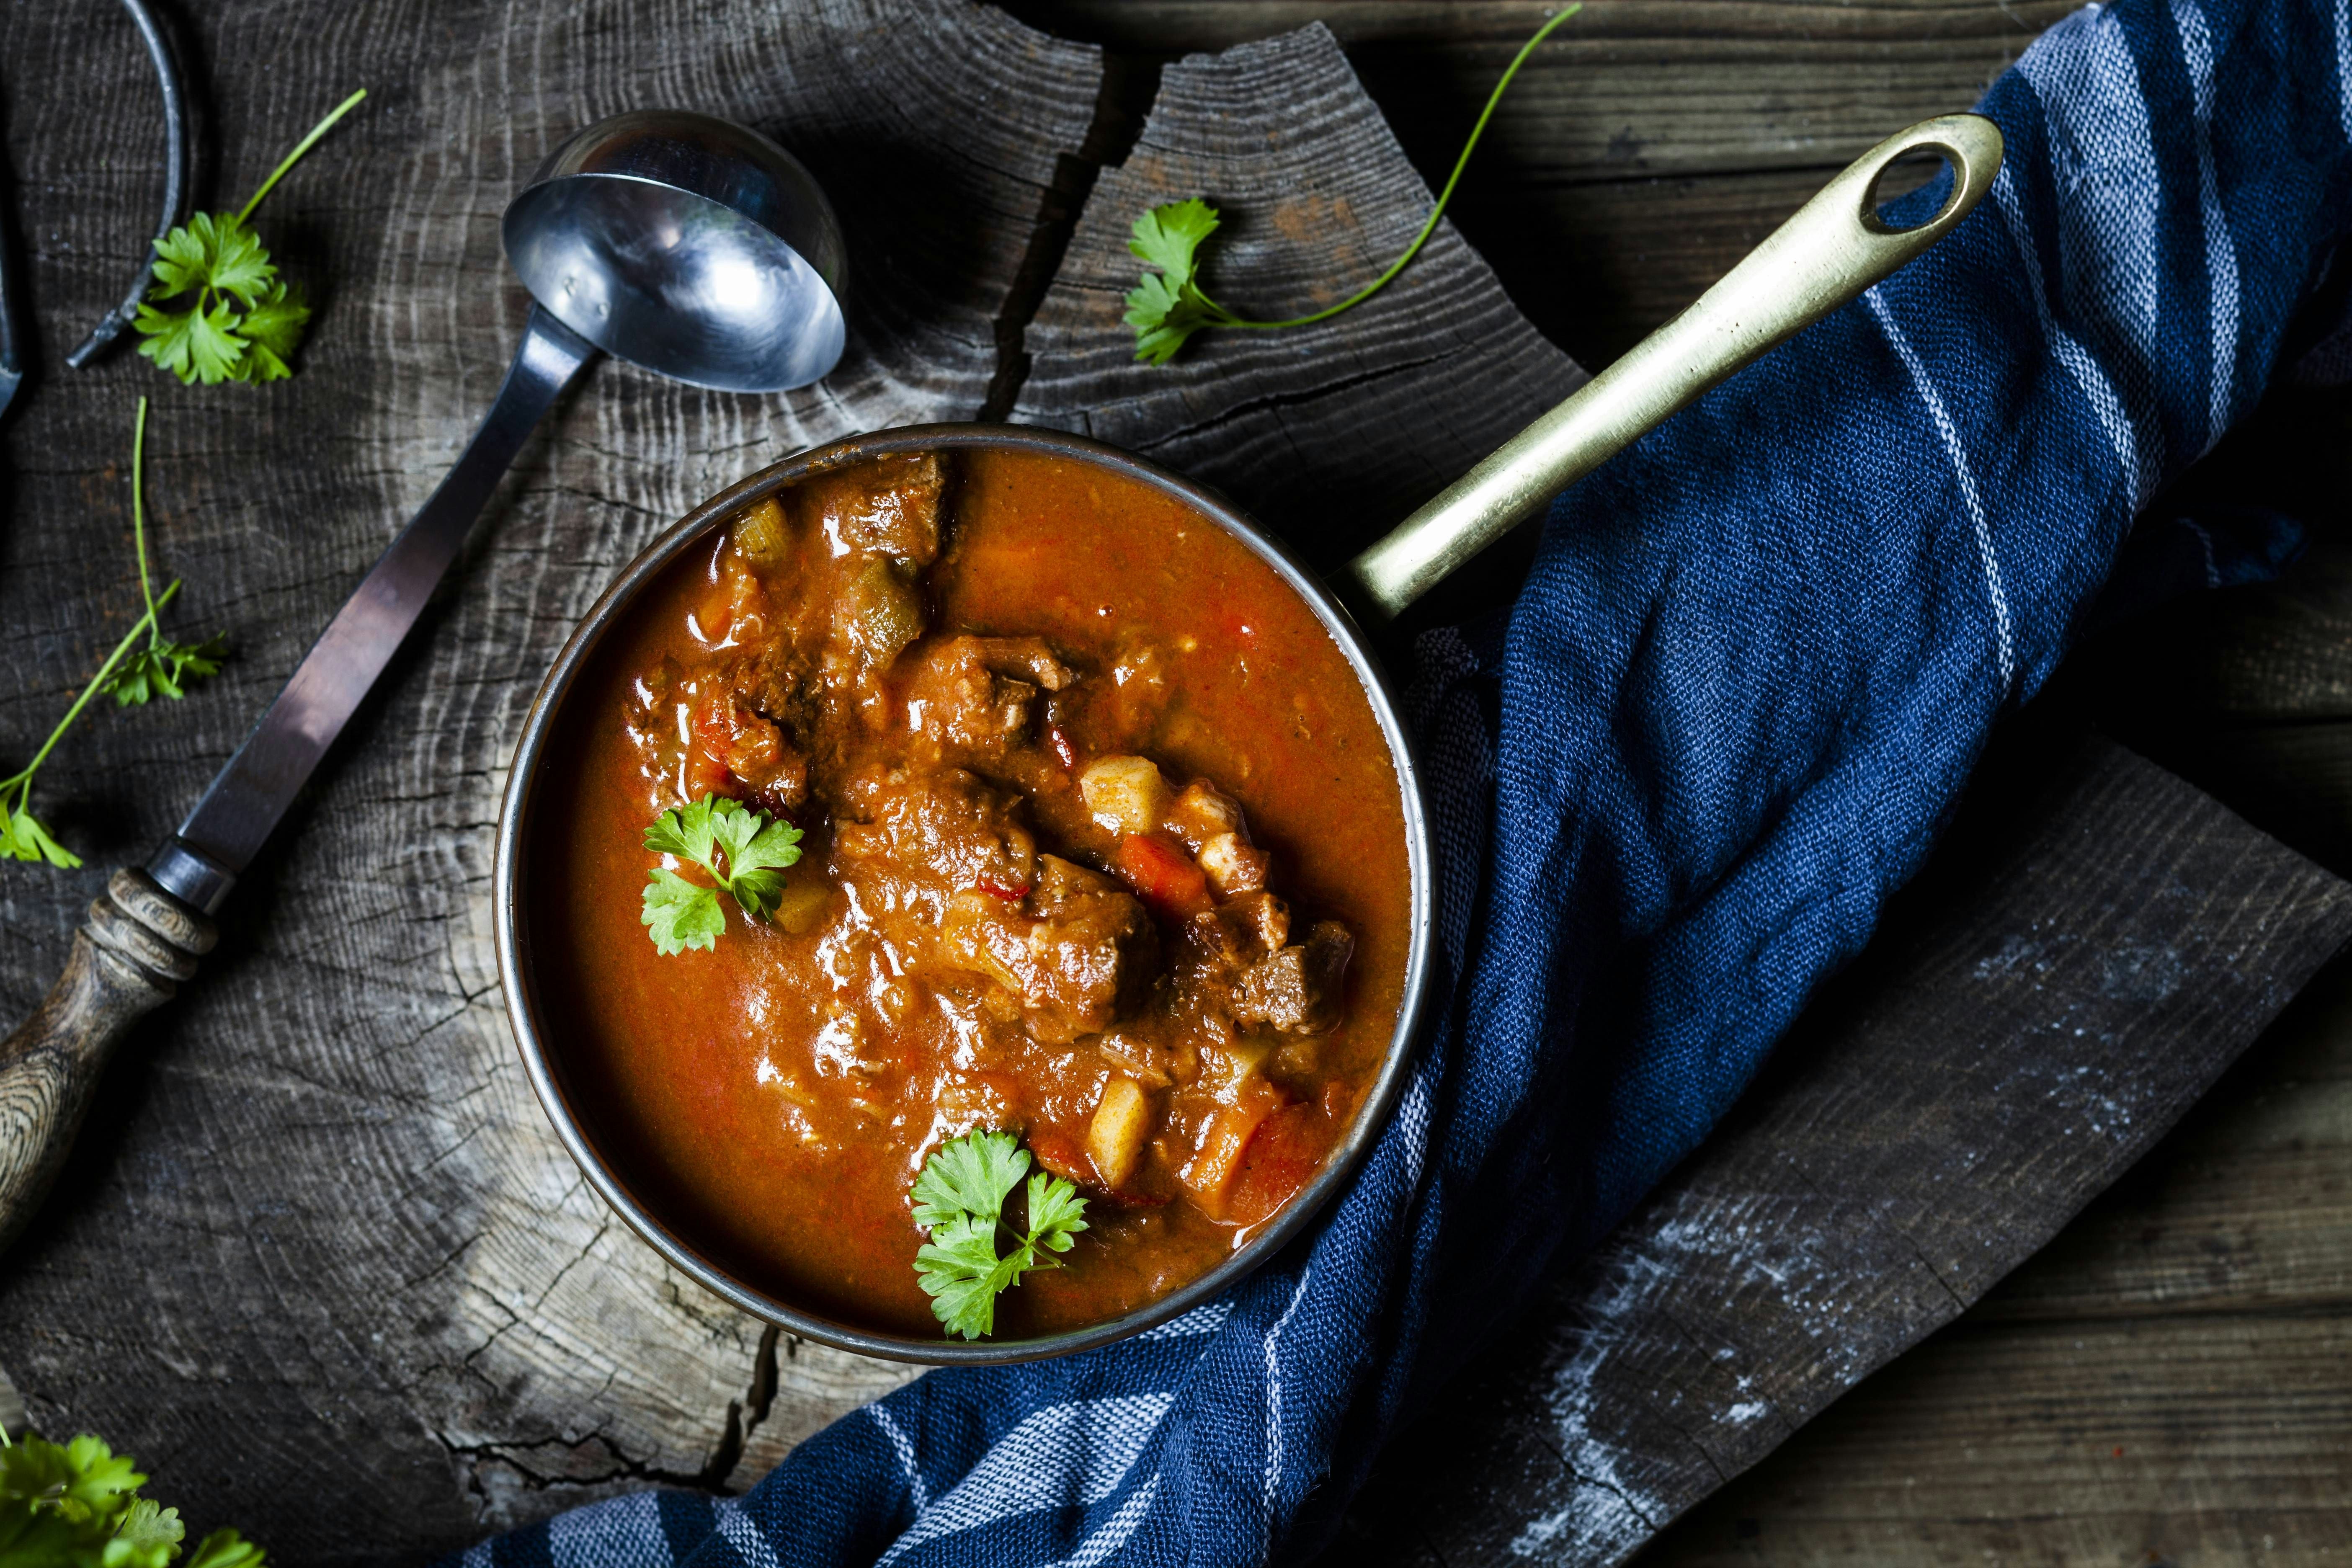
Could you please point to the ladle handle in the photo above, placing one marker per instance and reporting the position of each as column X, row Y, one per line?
column 1834, row 248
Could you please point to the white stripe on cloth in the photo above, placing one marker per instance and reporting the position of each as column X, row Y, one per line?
column 1273, row 1399
column 2221, row 249
column 622, row 1533
column 2344, row 66
column 1116, row 1528
column 1413, row 1120
column 1205, row 1319
column 750, row 1543
column 2098, row 390
column 1064, row 1456
column 2110, row 190
column 1951, row 438
column 906, row 1452
column 479, row 1555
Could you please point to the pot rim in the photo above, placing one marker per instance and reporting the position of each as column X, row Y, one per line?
column 511, row 933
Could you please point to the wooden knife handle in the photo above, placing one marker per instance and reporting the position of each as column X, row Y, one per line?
column 129, row 957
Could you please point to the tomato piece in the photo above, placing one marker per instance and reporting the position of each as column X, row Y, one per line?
column 1162, row 876
column 1060, row 1153
column 1283, row 1156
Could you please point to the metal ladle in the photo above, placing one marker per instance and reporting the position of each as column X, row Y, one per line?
column 682, row 243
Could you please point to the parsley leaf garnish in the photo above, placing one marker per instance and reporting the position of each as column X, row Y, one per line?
column 76, row 1505
column 1167, row 307
column 960, row 1200
column 680, row 914
column 236, row 319
column 132, row 673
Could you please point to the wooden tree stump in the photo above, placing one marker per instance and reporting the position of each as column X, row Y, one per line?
column 319, row 1262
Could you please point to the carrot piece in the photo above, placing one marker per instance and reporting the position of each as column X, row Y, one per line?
column 1284, row 1154
column 1162, row 876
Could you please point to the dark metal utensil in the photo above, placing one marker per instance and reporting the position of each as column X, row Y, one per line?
column 175, row 181
column 674, row 240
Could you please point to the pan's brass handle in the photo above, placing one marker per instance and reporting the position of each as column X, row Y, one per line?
column 1834, row 248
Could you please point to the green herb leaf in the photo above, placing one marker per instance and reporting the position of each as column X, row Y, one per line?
column 958, row 1198
column 76, row 1505
column 756, row 849
column 225, row 1549
column 163, row 668
column 22, row 838
column 1167, row 307
column 272, row 329
column 681, row 914
column 237, row 319
column 198, row 343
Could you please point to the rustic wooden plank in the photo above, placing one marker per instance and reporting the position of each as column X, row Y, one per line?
column 320, row 1261
column 2077, row 965
column 2064, row 1443
column 2245, row 1208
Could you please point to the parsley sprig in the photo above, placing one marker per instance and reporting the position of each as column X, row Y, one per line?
column 680, row 914
column 131, row 673
column 1167, row 307
column 163, row 667
column 960, row 1200
column 236, row 319
column 76, row 1505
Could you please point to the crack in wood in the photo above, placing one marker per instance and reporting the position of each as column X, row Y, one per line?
column 1129, row 86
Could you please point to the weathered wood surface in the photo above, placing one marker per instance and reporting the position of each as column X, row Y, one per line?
column 2076, row 966
column 325, row 1215
column 2170, row 1381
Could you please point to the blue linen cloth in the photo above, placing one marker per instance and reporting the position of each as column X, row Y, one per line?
column 1755, row 661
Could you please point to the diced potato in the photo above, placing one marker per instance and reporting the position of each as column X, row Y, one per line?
column 803, row 906
column 1126, row 794
column 1202, row 812
column 1114, row 1138
column 1228, row 1070
column 1233, row 867
column 760, row 535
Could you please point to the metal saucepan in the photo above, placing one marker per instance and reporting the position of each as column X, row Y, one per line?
column 1829, row 252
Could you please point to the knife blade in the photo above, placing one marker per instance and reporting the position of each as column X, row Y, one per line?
column 201, row 862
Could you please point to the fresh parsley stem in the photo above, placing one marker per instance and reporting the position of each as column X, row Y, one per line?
column 144, row 622
column 1227, row 318
column 138, row 521
column 310, row 142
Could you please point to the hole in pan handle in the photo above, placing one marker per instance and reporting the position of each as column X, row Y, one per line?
column 1832, row 250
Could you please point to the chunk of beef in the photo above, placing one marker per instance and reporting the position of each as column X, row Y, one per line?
column 1299, row 990
column 1201, row 813
column 738, row 740
column 969, row 700
column 890, row 506
column 1077, row 951
column 943, row 826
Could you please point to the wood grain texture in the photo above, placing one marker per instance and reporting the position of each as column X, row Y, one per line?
column 2167, row 1379
column 320, row 1261
column 2072, row 971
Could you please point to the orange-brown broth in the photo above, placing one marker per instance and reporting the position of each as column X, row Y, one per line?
column 675, row 1062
